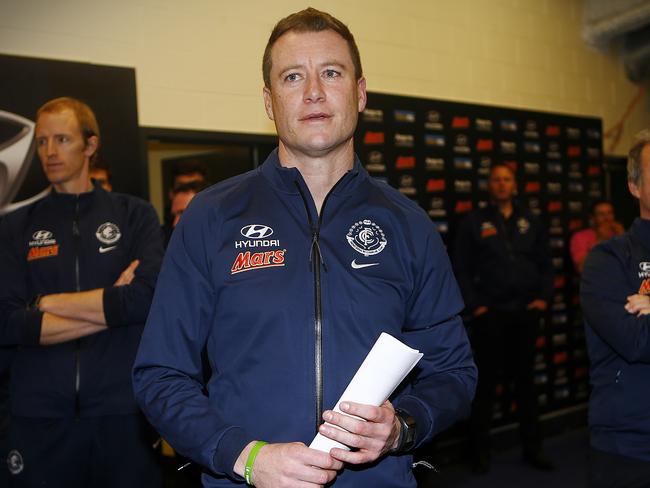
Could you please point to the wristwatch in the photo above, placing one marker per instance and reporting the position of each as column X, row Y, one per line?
column 406, row 439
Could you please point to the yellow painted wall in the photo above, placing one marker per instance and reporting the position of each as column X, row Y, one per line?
column 198, row 61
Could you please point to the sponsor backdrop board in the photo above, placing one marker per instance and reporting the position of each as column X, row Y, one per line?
column 438, row 153
column 27, row 83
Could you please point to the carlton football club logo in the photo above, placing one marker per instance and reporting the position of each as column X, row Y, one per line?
column 366, row 237
column 15, row 462
column 108, row 233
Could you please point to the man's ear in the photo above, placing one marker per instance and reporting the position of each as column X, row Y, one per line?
column 634, row 189
column 92, row 144
column 362, row 96
column 268, row 102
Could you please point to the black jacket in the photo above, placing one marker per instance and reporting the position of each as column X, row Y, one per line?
column 618, row 343
column 501, row 264
column 67, row 243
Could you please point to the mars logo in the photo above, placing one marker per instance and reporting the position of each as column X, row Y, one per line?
column 16, row 152
column 644, row 289
column 42, row 245
column 366, row 237
column 247, row 261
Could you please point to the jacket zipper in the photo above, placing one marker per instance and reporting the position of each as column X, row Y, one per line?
column 77, row 380
column 316, row 260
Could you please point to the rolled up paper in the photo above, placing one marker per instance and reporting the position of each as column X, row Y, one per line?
column 383, row 369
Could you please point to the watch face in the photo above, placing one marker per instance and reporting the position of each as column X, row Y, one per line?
column 407, row 430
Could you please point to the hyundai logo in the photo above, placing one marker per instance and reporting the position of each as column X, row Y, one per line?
column 42, row 235
column 644, row 266
column 16, row 154
column 255, row 231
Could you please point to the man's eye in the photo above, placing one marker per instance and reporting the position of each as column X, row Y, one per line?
column 41, row 141
column 62, row 139
column 292, row 77
column 331, row 73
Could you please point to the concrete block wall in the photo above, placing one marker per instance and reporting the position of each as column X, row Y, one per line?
column 198, row 61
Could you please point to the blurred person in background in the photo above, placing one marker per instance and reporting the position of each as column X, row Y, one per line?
column 502, row 262
column 603, row 226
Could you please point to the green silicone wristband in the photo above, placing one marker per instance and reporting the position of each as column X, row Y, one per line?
column 248, row 469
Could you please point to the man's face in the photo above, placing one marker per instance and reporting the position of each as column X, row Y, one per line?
column 179, row 204
column 603, row 214
column 314, row 98
column 184, row 178
column 62, row 151
column 101, row 176
column 501, row 184
column 642, row 191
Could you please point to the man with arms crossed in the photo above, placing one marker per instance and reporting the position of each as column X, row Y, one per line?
column 287, row 275
column 615, row 303
column 78, row 271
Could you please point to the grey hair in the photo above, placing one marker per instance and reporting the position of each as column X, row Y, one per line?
column 634, row 156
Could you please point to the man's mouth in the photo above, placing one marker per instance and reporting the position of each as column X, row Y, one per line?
column 315, row 117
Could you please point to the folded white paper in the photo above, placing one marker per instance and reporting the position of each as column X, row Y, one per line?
column 385, row 367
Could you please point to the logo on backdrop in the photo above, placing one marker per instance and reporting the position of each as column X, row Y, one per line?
column 16, row 153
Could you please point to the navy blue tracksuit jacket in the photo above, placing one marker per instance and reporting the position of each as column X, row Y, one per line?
column 288, row 303
column 618, row 343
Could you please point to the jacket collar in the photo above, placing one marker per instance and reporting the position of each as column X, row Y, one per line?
column 641, row 227
column 64, row 197
column 493, row 209
column 287, row 179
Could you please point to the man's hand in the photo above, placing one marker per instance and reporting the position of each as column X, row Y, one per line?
column 537, row 305
column 126, row 277
column 373, row 434
column 289, row 465
column 638, row 305
column 608, row 230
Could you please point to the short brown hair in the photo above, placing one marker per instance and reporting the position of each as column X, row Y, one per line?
column 84, row 114
column 634, row 156
column 310, row 20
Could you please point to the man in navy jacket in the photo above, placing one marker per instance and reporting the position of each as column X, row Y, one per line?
column 614, row 294
column 287, row 275
column 503, row 266
column 78, row 271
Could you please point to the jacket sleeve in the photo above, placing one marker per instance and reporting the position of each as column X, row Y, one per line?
column 167, row 375
column 544, row 264
column 603, row 293
column 463, row 256
column 20, row 324
column 129, row 304
column 445, row 377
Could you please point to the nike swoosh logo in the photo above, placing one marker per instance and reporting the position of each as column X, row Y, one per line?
column 106, row 249
column 356, row 265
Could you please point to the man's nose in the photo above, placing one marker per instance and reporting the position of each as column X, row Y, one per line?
column 314, row 89
column 50, row 148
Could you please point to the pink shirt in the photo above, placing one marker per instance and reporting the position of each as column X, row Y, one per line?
column 581, row 243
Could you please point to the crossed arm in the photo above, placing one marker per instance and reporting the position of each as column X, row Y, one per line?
column 69, row 316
